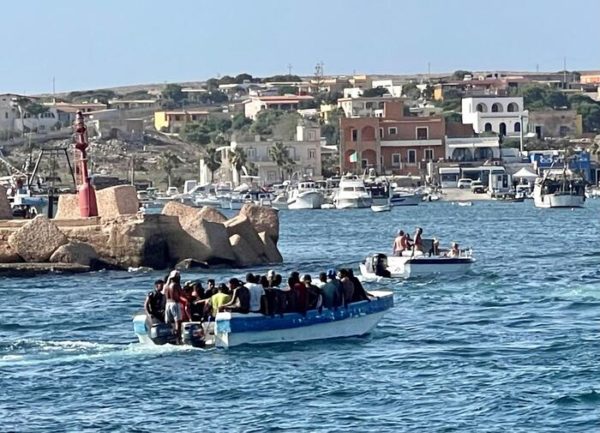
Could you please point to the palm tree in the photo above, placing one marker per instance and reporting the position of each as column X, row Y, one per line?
column 238, row 159
column 279, row 155
column 212, row 160
column 168, row 162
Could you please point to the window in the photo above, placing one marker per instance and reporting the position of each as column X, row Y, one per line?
column 412, row 156
column 481, row 107
column 380, row 132
column 512, row 107
column 497, row 108
column 6, row 115
column 311, row 135
column 251, row 153
column 396, row 160
column 354, row 135
column 312, row 153
column 518, row 127
column 488, row 127
column 429, row 154
column 393, row 131
column 422, row 133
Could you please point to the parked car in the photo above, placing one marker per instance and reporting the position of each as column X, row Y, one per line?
column 464, row 183
column 477, row 187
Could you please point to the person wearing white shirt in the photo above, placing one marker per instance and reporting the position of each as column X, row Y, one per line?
column 257, row 293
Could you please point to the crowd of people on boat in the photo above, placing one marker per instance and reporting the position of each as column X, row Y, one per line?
column 172, row 302
column 404, row 244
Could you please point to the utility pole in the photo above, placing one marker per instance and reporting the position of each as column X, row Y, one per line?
column 521, row 134
column 564, row 72
column 428, row 71
column 289, row 66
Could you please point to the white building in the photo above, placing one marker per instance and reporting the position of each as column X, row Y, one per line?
column 499, row 114
column 8, row 111
column 466, row 149
column 352, row 92
column 394, row 87
column 255, row 104
column 15, row 118
column 305, row 151
column 365, row 107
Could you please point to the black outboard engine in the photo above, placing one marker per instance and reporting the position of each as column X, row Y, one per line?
column 193, row 334
column 381, row 265
column 161, row 333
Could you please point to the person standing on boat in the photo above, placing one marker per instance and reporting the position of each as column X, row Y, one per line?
column 417, row 244
column 333, row 294
column 173, row 295
column 400, row 243
column 155, row 303
column 454, row 251
column 257, row 294
column 217, row 300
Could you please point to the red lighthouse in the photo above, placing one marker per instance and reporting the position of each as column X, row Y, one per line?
column 86, row 194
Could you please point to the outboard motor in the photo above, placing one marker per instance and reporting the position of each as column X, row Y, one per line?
column 381, row 266
column 161, row 333
column 193, row 334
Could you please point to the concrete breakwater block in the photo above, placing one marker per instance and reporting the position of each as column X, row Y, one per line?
column 68, row 207
column 8, row 254
column 212, row 234
column 240, row 225
column 244, row 253
column 75, row 252
column 271, row 252
column 37, row 240
column 263, row 219
column 117, row 200
column 5, row 210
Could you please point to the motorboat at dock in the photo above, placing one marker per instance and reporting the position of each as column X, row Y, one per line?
column 352, row 194
column 305, row 196
column 235, row 329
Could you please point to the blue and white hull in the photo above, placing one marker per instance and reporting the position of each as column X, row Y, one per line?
column 234, row 329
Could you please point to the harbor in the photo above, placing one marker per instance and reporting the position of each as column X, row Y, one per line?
column 521, row 325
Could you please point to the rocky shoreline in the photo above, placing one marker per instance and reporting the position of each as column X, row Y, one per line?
column 121, row 238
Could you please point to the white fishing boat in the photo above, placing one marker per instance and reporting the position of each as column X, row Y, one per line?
column 280, row 202
column 235, row 329
column 305, row 196
column 351, row 194
column 559, row 189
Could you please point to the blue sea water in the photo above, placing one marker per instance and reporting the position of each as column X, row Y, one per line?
column 512, row 346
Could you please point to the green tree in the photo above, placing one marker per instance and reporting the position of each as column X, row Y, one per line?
column 460, row 74
column 212, row 160
column 282, row 78
column 212, row 84
column 590, row 115
column 410, row 90
column 35, row 109
column 240, row 78
column 196, row 132
column 239, row 121
column 168, row 161
column 279, row 154
column 288, row 90
column 453, row 117
column 173, row 92
column 377, row 91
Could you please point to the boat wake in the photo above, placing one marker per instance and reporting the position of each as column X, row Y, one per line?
column 40, row 352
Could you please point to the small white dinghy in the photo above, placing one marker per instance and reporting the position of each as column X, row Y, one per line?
column 381, row 207
column 465, row 203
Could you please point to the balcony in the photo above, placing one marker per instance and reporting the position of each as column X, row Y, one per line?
column 411, row 143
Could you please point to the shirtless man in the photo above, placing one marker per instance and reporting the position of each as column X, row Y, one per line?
column 400, row 243
column 418, row 242
column 173, row 296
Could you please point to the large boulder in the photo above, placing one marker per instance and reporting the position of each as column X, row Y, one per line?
column 75, row 252
column 212, row 234
column 240, row 225
column 8, row 254
column 271, row 252
column 5, row 209
column 244, row 253
column 37, row 240
column 117, row 200
column 264, row 219
column 68, row 207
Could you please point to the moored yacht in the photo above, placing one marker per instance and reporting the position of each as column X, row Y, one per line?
column 351, row 194
column 305, row 196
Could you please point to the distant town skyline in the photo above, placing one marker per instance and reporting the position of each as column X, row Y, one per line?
column 80, row 46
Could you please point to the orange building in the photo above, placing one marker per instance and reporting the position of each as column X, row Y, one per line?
column 393, row 143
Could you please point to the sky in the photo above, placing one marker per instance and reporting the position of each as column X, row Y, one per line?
column 95, row 44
